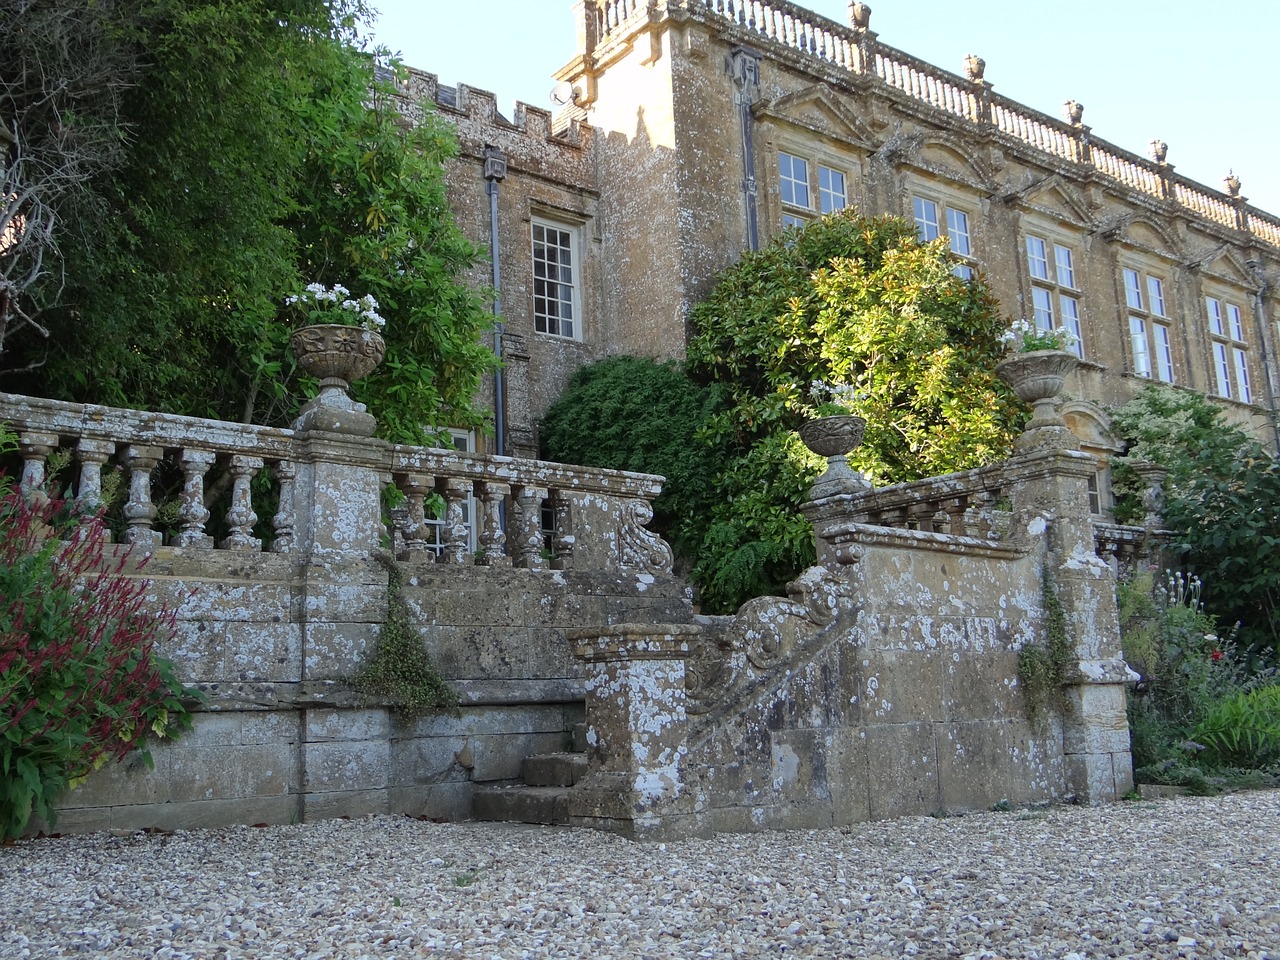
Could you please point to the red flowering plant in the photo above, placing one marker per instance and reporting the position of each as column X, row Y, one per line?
column 81, row 684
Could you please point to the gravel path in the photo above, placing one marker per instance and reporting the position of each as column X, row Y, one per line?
column 1198, row 877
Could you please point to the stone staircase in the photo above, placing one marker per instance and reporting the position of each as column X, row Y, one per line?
column 543, row 796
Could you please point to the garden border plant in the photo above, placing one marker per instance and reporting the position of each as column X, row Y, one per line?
column 81, row 682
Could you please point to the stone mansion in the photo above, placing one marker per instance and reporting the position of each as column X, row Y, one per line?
column 689, row 131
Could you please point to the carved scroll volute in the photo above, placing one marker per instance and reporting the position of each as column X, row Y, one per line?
column 640, row 548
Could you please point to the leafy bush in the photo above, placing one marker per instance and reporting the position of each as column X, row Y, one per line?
column 1193, row 714
column 1222, row 503
column 631, row 413
column 856, row 304
column 81, row 684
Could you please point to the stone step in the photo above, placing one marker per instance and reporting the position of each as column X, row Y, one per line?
column 554, row 769
column 522, row 804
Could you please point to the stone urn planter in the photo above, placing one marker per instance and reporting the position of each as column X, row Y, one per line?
column 1036, row 377
column 337, row 354
column 835, row 438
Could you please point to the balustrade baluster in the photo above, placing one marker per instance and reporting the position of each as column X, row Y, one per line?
column 92, row 454
column 283, row 522
column 563, row 540
column 193, row 514
column 493, row 539
column 953, row 512
column 457, row 548
column 35, row 449
column 139, row 511
column 240, row 517
column 920, row 516
column 528, row 510
column 415, row 488
column 984, row 509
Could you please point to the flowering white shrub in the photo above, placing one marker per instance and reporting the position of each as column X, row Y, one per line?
column 1023, row 336
column 319, row 304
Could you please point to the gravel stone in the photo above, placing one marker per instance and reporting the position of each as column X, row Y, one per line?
column 1193, row 877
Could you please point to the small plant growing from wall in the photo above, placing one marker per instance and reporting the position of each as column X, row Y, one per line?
column 81, row 682
column 401, row 672
column 1043, row 669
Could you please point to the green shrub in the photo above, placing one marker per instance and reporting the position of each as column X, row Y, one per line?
column 1195, row 683
column 81, row 684
column 1243, row 730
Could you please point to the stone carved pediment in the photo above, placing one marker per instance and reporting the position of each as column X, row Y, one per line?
column 1055, row 196
column 817, row 109
column 1226, row 264
column 1152, row 236
column 943, row 156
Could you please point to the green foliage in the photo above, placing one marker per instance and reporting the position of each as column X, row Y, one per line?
column 1243, row 730
column 1222, row 502
column 263, row 156
column 81, row 684
column 630, row 413
column 1044, row 669
column 401, row 671
column 1193, row 716
column 851, row 302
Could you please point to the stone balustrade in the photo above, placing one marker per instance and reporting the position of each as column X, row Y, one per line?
column 202, row 484
column 855, row 49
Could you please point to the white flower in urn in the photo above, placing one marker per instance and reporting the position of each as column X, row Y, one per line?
column 1023, row 336
column 318, row 304
column 834, row 399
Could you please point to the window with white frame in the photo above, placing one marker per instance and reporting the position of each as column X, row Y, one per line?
column 465, row 441
column 1230, row 352
column 809, row 187
column 1055, row 294
column 935, row 220
column 1150, row 336
column 556, row 279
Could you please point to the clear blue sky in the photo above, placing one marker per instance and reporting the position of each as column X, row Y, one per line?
column 1200, row 76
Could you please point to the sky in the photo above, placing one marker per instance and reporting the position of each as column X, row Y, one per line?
column 1201, row 77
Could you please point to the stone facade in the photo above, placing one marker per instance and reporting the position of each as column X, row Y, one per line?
column 696, row 129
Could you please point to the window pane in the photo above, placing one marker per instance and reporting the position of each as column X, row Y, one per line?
column 793, row 183
column 1164, row 353
column 1235, row 322
column 926, row 212
column 1037, row 259
column 1138, row 340
column 1214, row 309
column 831, row 192
column 1065, row 264
column 790, row 220
column 1070, row 310
column 1155, row 292
column 1133, row 289
column 958, row 231
column 963, row 271
column 1242, row 375
column 1042, row 305
column 1222, row 368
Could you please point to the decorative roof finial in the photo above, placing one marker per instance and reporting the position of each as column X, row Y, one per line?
column 1159, row 150
column 974, row 67
column 859, row 16
column 1233, row 184
column 1075, row 111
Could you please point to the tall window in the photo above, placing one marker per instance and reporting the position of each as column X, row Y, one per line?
column 802, row 196
column 934, row 220
column 1055, row 296
column 1230, row 354
column 1149, row 332
column 555, row 279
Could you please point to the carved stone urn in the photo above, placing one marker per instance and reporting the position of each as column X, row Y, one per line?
column 1036, row 377
column 835, row 438
column 336, row 354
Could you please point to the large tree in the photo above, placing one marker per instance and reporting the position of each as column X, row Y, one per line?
column 263, row 154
